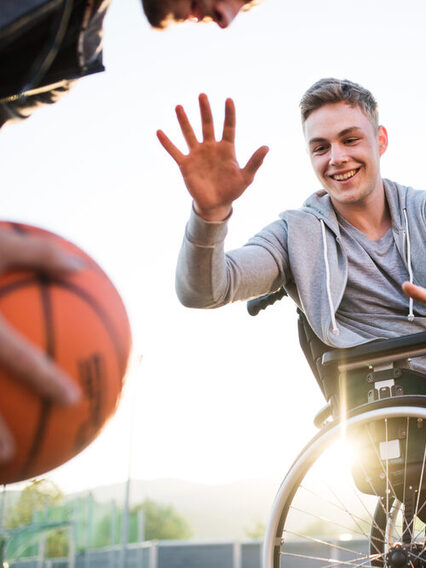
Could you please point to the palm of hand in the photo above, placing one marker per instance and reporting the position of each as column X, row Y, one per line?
column 212, row 174
column 210, row 169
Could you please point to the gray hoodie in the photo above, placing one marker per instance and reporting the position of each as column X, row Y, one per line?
column 302, row 251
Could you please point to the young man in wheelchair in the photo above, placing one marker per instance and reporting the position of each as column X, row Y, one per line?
column 343, row 257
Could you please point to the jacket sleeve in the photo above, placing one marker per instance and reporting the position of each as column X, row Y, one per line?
column 207, row 277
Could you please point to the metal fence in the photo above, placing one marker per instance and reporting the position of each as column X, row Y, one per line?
column 183, row 554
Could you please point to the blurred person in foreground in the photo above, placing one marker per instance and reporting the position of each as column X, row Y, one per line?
column 45, row 47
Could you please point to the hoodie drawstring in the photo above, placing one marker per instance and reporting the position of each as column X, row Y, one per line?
column 327, row 280
column 410, row 270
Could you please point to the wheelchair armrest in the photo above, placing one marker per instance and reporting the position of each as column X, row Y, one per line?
column 323, row 415
column 378, row 352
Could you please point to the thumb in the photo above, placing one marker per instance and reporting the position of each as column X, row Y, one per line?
column 255, row 162
column 416, row 292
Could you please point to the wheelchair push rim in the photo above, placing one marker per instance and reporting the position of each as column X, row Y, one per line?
column 276, row 532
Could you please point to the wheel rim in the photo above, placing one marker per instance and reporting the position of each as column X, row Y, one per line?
column 290, row 542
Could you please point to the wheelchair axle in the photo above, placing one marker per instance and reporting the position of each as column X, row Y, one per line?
column 406, row 556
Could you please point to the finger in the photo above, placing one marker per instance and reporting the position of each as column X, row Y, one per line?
column 416, row 292
column 29, row 364
column 25, row 251
column 186, row 127
column 206, row 117
column 7, row 445
column 255, row 162
column 229, row 123
column 168, row 145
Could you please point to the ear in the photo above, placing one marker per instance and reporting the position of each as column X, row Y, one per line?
column 382, row 137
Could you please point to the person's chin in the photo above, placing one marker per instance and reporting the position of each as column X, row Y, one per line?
column 344, row 196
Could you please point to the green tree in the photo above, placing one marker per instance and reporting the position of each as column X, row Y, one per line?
column 34, row 498
column 2, row 547
column 162, row 522
column 34, row 505
column 257, row 531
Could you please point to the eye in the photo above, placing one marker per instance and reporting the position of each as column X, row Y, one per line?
column 320, row 149
column 352, row 140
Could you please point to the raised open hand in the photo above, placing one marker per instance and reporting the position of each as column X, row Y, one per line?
column 210, row 169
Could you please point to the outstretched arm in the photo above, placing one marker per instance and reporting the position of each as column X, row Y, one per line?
column 416, row 292
column 210, row 170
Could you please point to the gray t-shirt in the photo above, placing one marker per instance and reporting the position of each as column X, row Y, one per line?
column 374, row 304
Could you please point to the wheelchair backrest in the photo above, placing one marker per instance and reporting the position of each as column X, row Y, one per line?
column 359, row 366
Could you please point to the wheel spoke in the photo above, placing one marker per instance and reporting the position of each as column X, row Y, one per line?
column 344, row 509
column 330, row 521
column 354, row 519
column 404, row 487
column 325, row 543
column 389, row 486
column 371, row 517
column 331, row 512
column 331, row 561
column 420, row 484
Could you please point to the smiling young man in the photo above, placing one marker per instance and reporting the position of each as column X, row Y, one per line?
column 342, row 257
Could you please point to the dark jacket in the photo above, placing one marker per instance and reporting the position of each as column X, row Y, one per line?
column 45, row 45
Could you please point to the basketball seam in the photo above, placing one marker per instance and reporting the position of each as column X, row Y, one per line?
column 44, row 285
column 82, row 294
column 122, row 359
column 46, row 405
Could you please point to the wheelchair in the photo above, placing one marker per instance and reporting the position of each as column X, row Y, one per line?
column 356, row 494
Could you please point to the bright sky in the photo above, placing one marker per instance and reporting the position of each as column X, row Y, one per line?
column 219, row 396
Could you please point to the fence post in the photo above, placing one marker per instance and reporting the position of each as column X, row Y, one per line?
column 72, row 543
column 125, row 526
column 89, row 528
column 113, row 534
column 141, row 525
column 41, row 550
column 153, row 555
column 141, row 535
column 236, row 563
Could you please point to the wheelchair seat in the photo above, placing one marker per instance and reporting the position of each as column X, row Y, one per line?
column 376, row 407
column 356, row 375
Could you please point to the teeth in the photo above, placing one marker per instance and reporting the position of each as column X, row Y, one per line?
column 342, row 177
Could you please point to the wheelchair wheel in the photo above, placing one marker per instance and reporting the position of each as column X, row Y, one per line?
column 356, row 495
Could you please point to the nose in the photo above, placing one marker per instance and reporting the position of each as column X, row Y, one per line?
column 338, row 155
column 224, row 11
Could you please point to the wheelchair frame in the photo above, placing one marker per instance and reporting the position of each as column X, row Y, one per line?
column 385, row 410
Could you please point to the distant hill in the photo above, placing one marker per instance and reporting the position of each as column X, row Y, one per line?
column 228, row 511
column 214, row 511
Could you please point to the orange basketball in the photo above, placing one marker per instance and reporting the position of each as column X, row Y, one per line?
column 79, row 320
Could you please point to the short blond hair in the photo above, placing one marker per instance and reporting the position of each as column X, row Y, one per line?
column 330, row 90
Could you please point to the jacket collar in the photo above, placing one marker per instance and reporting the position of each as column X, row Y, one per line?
column 319, row 204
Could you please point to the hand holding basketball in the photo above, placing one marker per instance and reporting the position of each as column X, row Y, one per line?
column 68, row 337
column 24, row 361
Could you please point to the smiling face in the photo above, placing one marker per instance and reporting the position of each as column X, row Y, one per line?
column 345, row 149
column 160, row 13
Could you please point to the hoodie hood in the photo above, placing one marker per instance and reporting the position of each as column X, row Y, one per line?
column 319, row 285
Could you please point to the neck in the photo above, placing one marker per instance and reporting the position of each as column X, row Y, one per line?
column 371, row 217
